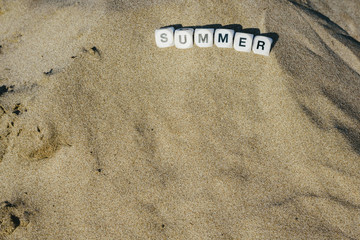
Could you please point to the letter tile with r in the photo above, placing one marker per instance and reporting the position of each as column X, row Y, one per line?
column 262, row 45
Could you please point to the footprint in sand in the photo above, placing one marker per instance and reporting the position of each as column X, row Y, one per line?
column 31, row 138
column 37, row 141
column 12, row 216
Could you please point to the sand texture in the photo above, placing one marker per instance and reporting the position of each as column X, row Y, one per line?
column 105, row 136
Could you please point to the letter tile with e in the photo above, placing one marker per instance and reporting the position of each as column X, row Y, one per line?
column 243, row 42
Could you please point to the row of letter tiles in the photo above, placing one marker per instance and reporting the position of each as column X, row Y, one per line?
column 206, row 37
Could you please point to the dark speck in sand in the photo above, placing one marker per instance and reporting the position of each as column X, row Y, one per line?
column 3, row 89
column 51, row 72
column 96, row 51
column 15, row 220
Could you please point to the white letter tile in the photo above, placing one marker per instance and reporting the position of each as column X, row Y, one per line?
column 262, row 45
column 184, row 38
column 164, row 37
column 224, row 38
column 204, row 37
column 243, row 42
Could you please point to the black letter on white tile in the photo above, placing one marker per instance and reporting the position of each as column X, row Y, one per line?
column 261, row 44
column 223, row 39
column 203, row 39
column 164, row 38
column 181, row 41
column 242, row 41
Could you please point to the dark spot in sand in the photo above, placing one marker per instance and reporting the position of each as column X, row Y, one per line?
column 8, row 204
column 16, row 109
column 2, row 108
column 3, row 89
column 17, row 112
column 15, row 220
column 49, row 72
column 95, row 50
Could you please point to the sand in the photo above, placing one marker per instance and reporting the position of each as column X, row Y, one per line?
column 106, row 136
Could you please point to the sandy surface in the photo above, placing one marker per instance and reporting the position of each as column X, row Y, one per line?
column 105, row 136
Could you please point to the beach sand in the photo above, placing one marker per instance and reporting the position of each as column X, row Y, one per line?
column 105, row 136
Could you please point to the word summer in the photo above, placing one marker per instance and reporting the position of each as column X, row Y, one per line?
column 184, row 38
